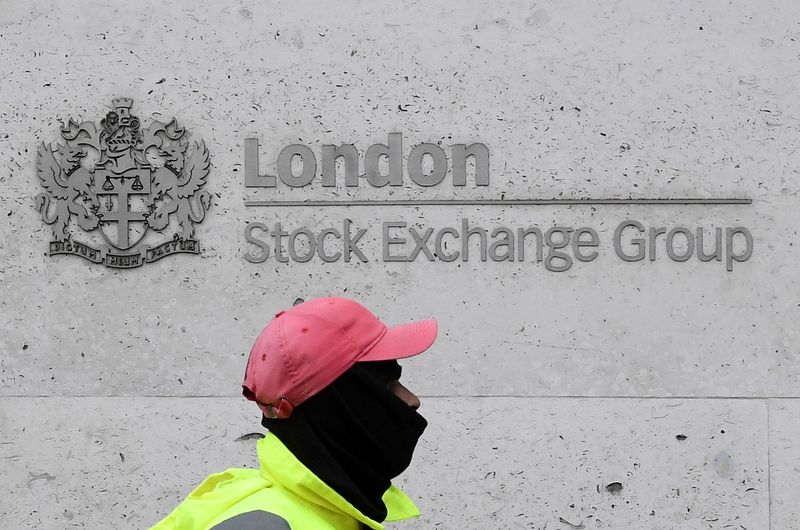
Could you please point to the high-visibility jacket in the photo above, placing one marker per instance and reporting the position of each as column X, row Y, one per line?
column 282, row 495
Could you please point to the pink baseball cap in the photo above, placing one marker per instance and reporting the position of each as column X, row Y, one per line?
column 304, row 349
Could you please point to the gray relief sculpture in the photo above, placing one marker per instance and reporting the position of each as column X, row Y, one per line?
column 136, row 194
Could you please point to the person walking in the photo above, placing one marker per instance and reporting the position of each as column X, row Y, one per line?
column 341, row 426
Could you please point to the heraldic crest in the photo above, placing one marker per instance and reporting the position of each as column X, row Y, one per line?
column 118, row 183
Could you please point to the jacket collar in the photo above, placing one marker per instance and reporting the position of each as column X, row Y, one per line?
column 278, row 463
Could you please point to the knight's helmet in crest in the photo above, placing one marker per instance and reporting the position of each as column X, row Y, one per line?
column 120, row 128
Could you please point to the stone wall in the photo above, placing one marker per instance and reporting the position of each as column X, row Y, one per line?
column 678, row 380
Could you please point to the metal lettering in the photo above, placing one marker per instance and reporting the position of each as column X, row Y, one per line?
column 394, row 151
column 312, row 245
column 77, row 249
column 123, row 261
column 701, row 251
column 328, row 258
column 674, row 256
column 466, row 232
column 383, row 164
column 331, row 153
column 175, row 246
column 638, row 243
column 251, row 177
column 554, row 252
column 653, row 233
column 522, row 234
column 351, row 243
column 421, row 244
column 480, row 155
column 277, row 235
column 507, row 242
column 578, row 244
column 309, row 162
column 389, row 240
column 248, row 236
column 415, row 169
column 730, row 255
column 439, row 246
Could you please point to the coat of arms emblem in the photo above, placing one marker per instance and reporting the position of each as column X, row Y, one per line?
column 122, row 195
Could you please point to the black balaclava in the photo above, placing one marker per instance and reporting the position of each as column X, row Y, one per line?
column 355, row 434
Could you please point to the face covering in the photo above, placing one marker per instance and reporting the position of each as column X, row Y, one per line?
column 355, row 434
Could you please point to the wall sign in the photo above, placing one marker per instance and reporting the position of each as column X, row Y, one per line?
column 124, row 196
column 557, row 247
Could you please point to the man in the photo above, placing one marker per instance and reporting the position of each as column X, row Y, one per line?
column 340, row 426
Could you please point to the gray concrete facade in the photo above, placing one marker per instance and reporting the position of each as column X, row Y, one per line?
column 656, row 394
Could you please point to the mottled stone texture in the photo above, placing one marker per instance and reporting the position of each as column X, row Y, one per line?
column 483, row 462
column 784, row 444
column 638, row 99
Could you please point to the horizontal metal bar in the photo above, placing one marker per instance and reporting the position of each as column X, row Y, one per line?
column 501, row 202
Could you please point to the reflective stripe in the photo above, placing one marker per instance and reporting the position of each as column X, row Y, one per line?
column 255, row 520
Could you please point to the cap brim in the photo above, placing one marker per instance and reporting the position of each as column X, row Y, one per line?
column 405, row 340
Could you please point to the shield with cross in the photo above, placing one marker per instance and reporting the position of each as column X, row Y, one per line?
column 124, row 202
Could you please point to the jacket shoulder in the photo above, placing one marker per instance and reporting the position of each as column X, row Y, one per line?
column 254, row 520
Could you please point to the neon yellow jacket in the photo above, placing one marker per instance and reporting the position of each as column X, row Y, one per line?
column 282, row 486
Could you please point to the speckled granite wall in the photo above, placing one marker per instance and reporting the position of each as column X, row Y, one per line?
column 677, row 380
